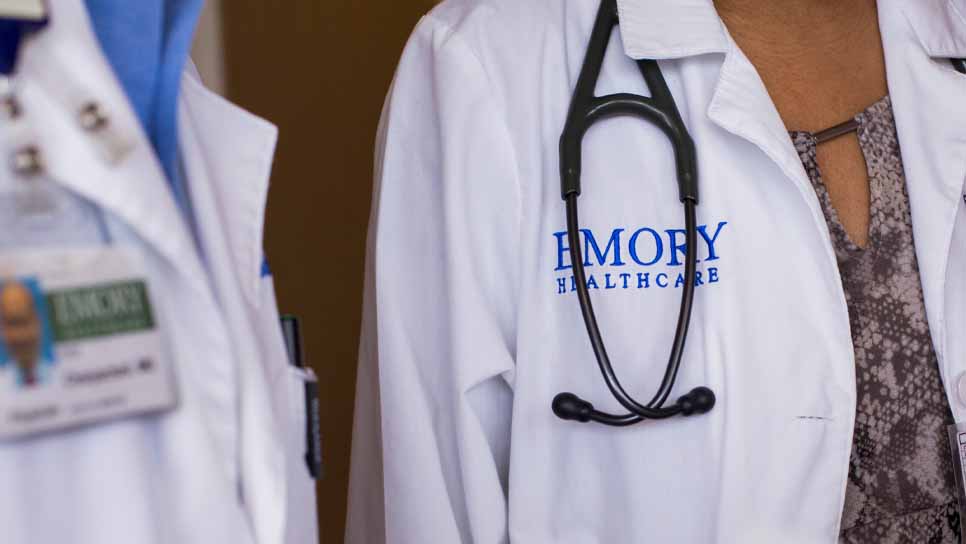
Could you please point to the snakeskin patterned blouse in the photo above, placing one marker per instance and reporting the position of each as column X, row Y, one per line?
column 901, row 487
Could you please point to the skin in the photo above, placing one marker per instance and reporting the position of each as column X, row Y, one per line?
column 20, row 327
column 822, row 62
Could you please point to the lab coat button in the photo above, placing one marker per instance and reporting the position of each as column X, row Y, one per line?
column 115, row 143
column 92, row 117
column 9, row 106
column 27, row 161
column 961, row 388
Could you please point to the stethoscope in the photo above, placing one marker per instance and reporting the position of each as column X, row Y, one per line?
column 660, row 110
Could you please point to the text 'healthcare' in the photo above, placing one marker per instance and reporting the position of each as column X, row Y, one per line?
column 641, row 248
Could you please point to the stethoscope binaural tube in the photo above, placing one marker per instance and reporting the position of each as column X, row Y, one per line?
column 660, row 109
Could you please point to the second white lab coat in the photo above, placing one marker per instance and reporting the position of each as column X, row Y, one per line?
column 472, row 327
column 218, row 468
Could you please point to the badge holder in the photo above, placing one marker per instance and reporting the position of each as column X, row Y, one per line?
column 957, row 442
column 80, row 341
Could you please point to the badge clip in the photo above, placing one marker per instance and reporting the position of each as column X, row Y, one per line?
column 32, row 11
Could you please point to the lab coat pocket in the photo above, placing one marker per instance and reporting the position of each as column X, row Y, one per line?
column 303, row 455
column 295, row 397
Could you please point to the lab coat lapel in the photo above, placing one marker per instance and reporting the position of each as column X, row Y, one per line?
column 929, row 99
column 62, row 70
column 228, row 154
column 741, row 105
column 232, row 151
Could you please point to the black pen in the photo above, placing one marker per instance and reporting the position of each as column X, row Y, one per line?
column 291, row 330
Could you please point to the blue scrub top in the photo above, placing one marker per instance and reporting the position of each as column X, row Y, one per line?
column 147, row 43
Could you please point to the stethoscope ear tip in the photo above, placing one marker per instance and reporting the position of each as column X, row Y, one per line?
column 699, row 401
column 572, row 408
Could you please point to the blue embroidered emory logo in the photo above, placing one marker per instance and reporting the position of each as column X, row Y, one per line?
column 636, row 253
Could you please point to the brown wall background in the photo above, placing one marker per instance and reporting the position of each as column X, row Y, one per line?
column 320, row 69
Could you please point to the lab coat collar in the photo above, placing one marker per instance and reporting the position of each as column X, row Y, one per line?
column 63, row 68
column 670, row 29
column 667, row 29
column 939, row 25
column 229, row 152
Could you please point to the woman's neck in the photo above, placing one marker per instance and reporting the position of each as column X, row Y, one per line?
column 821, row 60
column 788, row 25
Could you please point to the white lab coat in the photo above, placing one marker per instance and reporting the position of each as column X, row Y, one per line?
column 216, row 469
column 467, row 336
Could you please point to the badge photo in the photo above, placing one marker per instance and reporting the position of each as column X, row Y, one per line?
column 27, row 358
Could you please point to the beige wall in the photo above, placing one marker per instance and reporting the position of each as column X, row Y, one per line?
column 320, row 70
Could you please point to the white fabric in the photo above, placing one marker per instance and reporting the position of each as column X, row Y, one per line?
column 466, row 339
column 303, row 522
column 214, row 470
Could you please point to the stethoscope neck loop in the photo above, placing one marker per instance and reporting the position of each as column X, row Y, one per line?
column 586, row 109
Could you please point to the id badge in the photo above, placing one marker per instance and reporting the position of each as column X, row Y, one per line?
column 957, row 441
column 80, row 342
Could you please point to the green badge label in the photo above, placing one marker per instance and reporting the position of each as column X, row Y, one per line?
column 100, row 310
